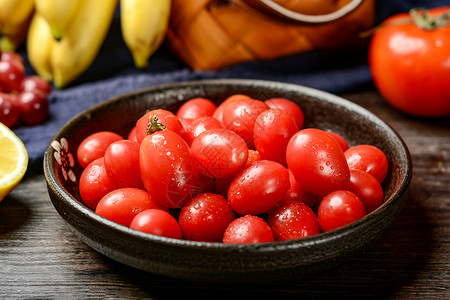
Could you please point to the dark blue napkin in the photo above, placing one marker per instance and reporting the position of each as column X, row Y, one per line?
column 113, row 74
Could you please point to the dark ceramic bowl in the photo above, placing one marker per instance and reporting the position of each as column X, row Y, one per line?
column 215, row 261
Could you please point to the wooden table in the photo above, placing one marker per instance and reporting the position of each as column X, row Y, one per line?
column 41, row 258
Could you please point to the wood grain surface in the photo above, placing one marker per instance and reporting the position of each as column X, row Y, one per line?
column 41, row 258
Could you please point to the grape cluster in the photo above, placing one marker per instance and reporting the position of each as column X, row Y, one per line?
column 22, row 97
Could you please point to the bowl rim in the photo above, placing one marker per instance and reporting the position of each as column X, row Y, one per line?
column 320, row 238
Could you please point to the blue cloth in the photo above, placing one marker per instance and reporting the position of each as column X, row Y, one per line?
column 113, row 74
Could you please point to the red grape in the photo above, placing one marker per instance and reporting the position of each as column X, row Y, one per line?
column 12, row 73
column 11, row 55
column 34, row 107
column 9, row 113
column 34, row 82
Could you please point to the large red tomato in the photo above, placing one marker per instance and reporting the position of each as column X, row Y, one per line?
column 410, row 64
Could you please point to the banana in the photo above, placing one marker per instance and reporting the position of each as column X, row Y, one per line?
column 82, row 40
column 14, row 39
column 39, row 45
column 144, row 25
column 13, row 13
column 57, row 13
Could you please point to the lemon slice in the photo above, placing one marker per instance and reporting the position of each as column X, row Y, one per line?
column 13, row 160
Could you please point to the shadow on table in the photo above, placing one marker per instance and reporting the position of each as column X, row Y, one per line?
column 13, row 214
column 395, row 261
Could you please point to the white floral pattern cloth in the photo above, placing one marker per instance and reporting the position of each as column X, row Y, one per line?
column 64, row 158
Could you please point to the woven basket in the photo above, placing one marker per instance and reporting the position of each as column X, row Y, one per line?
column 212, row 34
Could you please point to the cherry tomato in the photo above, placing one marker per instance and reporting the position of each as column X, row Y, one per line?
column 273, row 127
column 95, row 145
column 33, row 106
column 292, row 220
column 340, row 139
column 205, row 218
column 200, row 125
column 158, row 222
column 367, row 188
column 185, row 122
column 122, row 205
column 290, row 107
column 296, row 192
column 368, row 158
column 240, row 116
column 218, row 113
column 258, row 187
column 196, row 108
column 95, row 183
column 9, row 113
column 338, row 209
column 134, row 183
column 132, row 134
column 122, row 164
column 155, row 120
column 168, row 168
column 248, row 229
column 317, row 161
column 410, row 62
column 219, row 153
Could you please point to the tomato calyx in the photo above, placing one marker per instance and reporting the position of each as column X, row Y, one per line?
column 422, row 19
column 154, row 125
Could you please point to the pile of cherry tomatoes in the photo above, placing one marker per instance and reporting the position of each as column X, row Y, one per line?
column 22, row 97
column 245, row 171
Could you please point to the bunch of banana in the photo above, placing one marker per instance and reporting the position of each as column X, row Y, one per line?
column 144, row 25
column 61, row 50
column 64, row 37
column 57, row 13
column 15, row 16
column 39, row 46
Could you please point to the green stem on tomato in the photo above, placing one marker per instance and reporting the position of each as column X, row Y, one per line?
column 422, row 19
column 154, row 125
